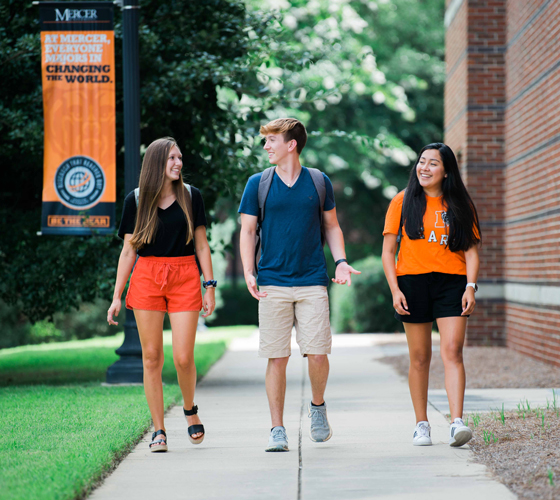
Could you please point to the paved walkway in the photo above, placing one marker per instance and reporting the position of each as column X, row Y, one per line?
column 369, row 456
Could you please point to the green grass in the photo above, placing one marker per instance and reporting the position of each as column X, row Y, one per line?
column 87, row 360
column 59, row 440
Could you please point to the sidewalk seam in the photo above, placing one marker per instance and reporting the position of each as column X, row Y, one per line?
column 300, row 469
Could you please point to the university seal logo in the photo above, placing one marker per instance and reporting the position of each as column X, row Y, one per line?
column 79, row 182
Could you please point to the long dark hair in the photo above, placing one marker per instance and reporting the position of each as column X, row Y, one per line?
column 462, row 216
column 152, row 178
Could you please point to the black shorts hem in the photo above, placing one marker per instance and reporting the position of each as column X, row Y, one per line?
column 407, row 319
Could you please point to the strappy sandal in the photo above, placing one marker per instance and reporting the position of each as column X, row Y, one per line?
column 160, row 444
column 194, row 429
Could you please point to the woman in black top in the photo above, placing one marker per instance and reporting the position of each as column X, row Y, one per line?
column 163, row 223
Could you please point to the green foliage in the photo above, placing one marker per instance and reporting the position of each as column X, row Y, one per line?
column 365, row 77
column 89, row 320
column 15, row 327
column 367, row 305
column 189, row 51
column 238, row 307
column 371, row 97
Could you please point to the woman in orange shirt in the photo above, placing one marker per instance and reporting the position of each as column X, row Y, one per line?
column 434, row 278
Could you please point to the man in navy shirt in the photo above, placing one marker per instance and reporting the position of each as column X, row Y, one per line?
column 292, row 272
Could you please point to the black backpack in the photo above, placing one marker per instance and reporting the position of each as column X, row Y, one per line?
column 264, row 188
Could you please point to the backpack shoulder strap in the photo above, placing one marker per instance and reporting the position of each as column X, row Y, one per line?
column 319, row 181
column 399, row 235
column 264, row 188
column 188, row 186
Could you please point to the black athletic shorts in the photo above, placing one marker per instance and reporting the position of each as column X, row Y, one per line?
column 431, row 296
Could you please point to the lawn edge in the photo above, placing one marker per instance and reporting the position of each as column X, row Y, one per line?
column 121, row 455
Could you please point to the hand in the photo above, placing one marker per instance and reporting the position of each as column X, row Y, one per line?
column 115, row 309
column 208, row 302
column 343, row 273
column 468, row 301
column 252, row 287
column 399, row 303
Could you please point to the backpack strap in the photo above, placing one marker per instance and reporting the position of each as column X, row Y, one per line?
column 319, row 182
column 399, row 234
column 264, row 187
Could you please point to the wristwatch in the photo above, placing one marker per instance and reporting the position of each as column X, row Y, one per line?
column 474, row 285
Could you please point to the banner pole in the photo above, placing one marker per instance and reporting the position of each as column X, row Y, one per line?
column 128, row 369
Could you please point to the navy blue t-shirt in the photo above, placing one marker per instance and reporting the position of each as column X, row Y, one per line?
column 291, row 250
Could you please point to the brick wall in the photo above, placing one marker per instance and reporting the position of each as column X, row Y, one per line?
column 476, row 36
column 508, row 137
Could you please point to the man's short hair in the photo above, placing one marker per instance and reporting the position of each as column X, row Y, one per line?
column 290, row 128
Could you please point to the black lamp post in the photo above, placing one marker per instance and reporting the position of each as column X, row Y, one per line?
column 128, row 369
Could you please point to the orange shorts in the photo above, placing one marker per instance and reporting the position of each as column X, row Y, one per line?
column 169, row 284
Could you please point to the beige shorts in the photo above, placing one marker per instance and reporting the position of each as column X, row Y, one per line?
column 306, row 307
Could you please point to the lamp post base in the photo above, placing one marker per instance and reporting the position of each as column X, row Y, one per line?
column 128, row 369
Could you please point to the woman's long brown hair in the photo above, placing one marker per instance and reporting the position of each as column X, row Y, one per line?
column 152, row 178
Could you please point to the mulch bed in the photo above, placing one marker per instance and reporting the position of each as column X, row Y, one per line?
column 489, row 367
column 521, row 448
column 523, row 452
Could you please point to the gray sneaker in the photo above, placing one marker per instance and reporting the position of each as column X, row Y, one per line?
column 320, row 429
column 278, row 441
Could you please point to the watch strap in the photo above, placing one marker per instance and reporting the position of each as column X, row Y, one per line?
column 473, row 285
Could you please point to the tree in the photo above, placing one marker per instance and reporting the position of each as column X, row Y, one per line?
column 189, row 51
column 371, row 97
column 365, row 76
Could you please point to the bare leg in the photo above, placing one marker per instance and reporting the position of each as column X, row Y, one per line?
column 150, row 330
column 183, row 327
column 318, row 365
column 419, row 338
column 452, row 331
column 275, row 383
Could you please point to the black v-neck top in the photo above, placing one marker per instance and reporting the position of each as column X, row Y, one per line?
column 171, row 236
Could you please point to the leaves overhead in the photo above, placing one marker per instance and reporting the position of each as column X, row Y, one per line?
column 366, row 77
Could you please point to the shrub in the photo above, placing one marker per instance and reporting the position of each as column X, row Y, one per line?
column 367, row 305
column 14, row 328
column 90, row 320
column 238, row 307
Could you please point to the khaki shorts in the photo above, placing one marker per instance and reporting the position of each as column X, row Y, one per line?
column 305, row 306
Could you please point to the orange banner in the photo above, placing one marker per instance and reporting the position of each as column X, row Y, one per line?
column 78, row 72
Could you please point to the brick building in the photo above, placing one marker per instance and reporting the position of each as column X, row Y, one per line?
column 502, row 119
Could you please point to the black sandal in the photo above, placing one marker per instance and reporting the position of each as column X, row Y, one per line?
column 194, row 429
column 160, row 444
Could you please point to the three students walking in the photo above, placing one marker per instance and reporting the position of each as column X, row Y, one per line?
column 289, row 210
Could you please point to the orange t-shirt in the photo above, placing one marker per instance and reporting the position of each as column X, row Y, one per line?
column 430, row 254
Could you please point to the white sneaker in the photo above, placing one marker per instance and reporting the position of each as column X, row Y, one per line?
column 421, row 435
column 459, row 433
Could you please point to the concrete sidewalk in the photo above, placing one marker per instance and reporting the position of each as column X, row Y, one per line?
column 369, row 456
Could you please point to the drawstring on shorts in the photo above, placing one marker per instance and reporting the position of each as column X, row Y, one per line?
column 164, row 269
